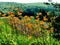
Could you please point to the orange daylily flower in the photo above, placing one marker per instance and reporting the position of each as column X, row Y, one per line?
column 37, row 20
column 16, row 8
column 29, row 25
column 3, row 15
column 28, row 19
column 40, row 13
column 37, row 16
column 22, row 21
column 31, row 17
column 42, row 22
column 19, row 13
column 45, row 27
column 45, row 19
column 20, row 16
column 12, row 15
column 25, row 16
column 15, row 18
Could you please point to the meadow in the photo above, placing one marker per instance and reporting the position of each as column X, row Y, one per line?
column 18, row 28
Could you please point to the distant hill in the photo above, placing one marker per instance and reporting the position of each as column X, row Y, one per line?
column 9, row 6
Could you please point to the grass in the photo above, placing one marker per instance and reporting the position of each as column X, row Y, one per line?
column 4, row 26
column 8, row 37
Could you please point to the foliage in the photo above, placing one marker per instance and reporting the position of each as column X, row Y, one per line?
column 18, row 39
column 21, row 25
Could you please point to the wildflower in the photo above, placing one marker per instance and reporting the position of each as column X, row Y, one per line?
column 16, row 8
column 37, row 16
column 25, row 16
column 19, row 13
column 40, row 13
column 31, row 17
column 12, row 15
column 15, row 18
column 22, row 21
column 37, row 20
column 45, row 27
column 42, row 22
column 29, row 25
column 45, row 19
column 35, row 25
column 19, row 16
column 3, row 15
column 28, row 19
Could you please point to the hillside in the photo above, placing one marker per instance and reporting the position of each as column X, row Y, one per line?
column 7, row 6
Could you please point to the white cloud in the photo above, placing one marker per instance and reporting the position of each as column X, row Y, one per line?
column 28, row 1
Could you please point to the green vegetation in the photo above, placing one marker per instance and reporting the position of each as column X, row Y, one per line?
column 29, row 24
column 9, row 37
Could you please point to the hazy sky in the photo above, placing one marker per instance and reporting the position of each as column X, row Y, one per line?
column 29, row 1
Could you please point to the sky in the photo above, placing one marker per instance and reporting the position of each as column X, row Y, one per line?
column 29, row 1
